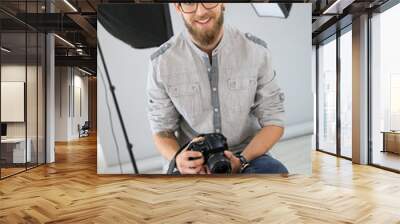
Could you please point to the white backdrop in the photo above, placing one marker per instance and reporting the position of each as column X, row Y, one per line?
column 289, row 41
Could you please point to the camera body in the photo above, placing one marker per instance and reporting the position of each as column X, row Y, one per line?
column 212, row 147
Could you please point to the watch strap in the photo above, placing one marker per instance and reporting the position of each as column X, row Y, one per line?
column 243, row 162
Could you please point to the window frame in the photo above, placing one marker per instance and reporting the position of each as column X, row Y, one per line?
column 333, row 37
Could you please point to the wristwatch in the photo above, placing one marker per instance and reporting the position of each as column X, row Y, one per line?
column 243, row 163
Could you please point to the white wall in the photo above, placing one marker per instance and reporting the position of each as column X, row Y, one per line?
column 61, row 103
column 15, row 73
column 81, row 108
column 18, row 73
column 67, row 81
column 289, row 41
column 33, row 125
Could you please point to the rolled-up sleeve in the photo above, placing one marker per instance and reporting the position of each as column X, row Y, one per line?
column 269, row 99
column 161, row 111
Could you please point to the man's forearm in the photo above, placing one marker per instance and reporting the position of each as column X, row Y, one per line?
column 166, row 143
column 262, row 142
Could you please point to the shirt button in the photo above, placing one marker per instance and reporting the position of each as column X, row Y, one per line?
column 214, row 89
column 216, row 109
column 217, row 130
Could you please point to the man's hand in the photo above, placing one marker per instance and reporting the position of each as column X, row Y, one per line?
column 187, row 166
column 235, row 161
column 205, row 170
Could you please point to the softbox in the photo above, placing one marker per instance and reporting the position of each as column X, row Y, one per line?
column 139, row 25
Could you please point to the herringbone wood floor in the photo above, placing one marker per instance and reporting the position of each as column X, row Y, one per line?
column 70, row 191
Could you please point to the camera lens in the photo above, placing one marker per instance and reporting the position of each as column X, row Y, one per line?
column 218, row 163
column 221, row 167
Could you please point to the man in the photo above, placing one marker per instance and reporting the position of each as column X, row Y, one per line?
column 213, row 78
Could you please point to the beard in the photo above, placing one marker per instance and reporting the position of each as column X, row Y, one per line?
column 206, row 37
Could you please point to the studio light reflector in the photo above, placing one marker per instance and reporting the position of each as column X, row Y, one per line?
column 279, row 10
column 139, row 25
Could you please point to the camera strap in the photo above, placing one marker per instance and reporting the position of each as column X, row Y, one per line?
column 172, row 164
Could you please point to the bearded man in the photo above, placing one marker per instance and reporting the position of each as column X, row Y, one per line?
column 212, row 78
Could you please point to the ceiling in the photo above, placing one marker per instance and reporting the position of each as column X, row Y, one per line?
column 331, row 16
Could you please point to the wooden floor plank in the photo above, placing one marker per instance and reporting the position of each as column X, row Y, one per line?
column 70, row 191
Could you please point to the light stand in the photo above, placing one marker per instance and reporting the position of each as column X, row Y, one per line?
column 121, row 121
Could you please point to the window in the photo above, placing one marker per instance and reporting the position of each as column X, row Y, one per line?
column 334, row 106
column 346, row 75
column 394, row 102
column 327, row 96
column 22, row 77
column 385, row 89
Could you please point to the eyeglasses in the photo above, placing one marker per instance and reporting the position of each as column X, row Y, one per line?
column 192, row 7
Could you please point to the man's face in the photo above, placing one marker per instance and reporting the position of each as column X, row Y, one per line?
column 204, row 24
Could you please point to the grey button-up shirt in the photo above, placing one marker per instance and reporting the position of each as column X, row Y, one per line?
column 235, row 95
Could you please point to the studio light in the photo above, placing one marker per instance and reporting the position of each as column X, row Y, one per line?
column 279, row 10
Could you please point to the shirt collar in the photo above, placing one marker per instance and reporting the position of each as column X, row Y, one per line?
column 202, row 53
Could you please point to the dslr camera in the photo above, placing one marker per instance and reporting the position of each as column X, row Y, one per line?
column 212, row 146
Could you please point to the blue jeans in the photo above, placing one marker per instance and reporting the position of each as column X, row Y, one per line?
column 265, row 164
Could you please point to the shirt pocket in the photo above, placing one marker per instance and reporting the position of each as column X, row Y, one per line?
column 187, row 99
column 241, row 93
